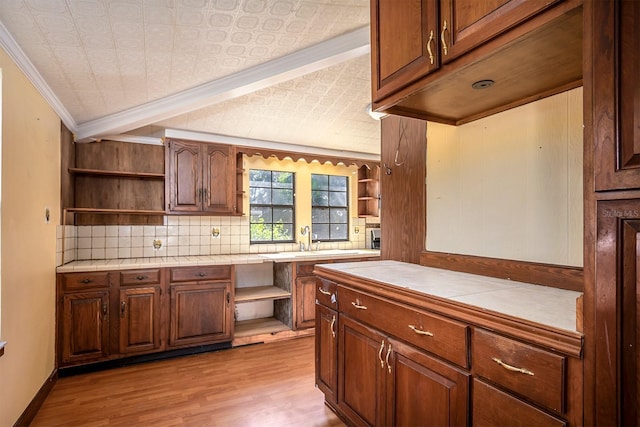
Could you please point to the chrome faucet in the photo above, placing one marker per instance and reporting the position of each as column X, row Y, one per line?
column 306, row 231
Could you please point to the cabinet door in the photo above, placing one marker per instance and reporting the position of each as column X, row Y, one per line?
column 361, row 373
column 85, row 326
column 404, row 43
column 413, row 373
column 465, row 24
column 140, row 319
column 184, row 176
column 327, row 352
column 616, row 92
column 218, row 178
column 305, row 301
column 200, row 313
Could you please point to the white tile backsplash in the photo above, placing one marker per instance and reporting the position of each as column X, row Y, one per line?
column 181, row 236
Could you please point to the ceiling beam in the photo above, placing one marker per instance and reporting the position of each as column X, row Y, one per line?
column 317, row 57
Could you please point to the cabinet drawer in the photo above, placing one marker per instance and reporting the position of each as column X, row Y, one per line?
column 76, row 281
column 139, row 277
column 189, row 274
column 443, row 337
column 489, row 406
column 326, row 293
column 533, row 373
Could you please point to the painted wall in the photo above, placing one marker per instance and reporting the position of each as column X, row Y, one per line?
column 510, row 185
column 30, row 182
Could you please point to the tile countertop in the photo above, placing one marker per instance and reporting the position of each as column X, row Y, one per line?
column 542, row 304
column 184, row 261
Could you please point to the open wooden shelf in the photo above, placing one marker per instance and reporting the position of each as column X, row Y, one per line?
column 115, row 211
column 266, row 325
column 260, row 293
column 111, row 173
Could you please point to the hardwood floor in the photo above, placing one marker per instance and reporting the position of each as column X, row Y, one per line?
column 260, row 385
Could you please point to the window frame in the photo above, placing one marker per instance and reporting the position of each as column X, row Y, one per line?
column 328, row 207
column 273, row 206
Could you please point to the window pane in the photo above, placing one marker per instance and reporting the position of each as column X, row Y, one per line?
column 283, row 215
column 321, row 231
column 319, row 215
column 319, row 198
column 337, row 199
column 337, row 183
column 338, row 215
column 260, row 196
column 282, row 232
column 319, row 182
column 261, row 214
column 261, row 232
column 282, row 180
column 259, row 178
column 282, row 197
column 339, row 232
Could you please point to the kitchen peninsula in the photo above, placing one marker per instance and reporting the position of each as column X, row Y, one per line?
column 472, row 342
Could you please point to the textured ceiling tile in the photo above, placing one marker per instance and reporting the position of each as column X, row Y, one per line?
column 103, row 56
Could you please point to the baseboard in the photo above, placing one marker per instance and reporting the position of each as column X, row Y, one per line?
column 32, row 409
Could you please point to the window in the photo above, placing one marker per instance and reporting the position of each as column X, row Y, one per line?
column 329, row 207
column 271, row 200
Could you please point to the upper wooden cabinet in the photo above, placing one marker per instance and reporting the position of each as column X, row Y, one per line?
column 404, row 43
column 427, row 55
column 201, row 178
column 616, row 88
column 465, row 24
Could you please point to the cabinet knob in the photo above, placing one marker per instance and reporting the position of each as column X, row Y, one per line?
column 123, row 308
column 141, row 277
column 85, row 281
column 201, row 274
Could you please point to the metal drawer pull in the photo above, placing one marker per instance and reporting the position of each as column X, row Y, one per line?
column 420, row 331
column 358, row 306
column 85, row 281
column 445, row 50
column 387, row 358
column 323, row 292
column 333, row 324
column 431, row 59
column 380, row 354
column 141, row 277
column 512, row 368
column 201, row 274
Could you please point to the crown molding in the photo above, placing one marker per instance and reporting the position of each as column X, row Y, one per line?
column 322, row 55
column 18, row 56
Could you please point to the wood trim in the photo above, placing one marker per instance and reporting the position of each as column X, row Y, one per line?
column 32, row 409
column 308, row 157
column 570, row 278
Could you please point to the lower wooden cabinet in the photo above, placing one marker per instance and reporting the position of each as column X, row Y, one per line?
column 395, row 362
column 84, row 327
column 327, row 352
column 139, row 319
column 200, row 313
column 305, row 301
column 115, row 314
column 382, row 382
